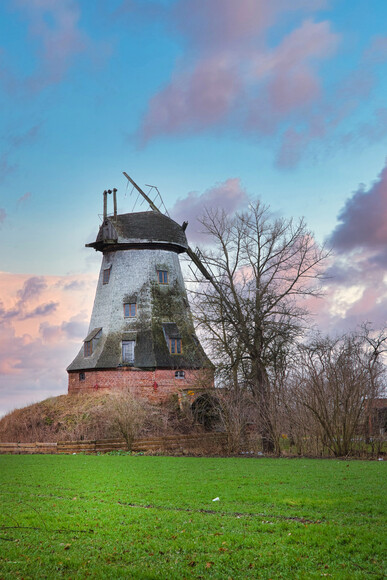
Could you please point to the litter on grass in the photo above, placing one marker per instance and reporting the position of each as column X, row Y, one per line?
column 216, row 499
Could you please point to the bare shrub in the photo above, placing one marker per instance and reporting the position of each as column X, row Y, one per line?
column 235, row 410
column 126, row 415
column 335, row 383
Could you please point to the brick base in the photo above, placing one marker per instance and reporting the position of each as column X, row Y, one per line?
column 156, row 386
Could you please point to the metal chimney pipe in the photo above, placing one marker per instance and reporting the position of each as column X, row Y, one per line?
column 115, row 202
column 104, row 205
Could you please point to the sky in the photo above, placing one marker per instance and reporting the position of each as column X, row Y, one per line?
column 215, row 102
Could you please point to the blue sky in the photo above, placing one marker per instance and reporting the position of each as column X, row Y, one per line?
column 207, row 100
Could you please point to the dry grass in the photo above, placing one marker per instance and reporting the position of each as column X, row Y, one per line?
column 92, row 416
column 71, row 417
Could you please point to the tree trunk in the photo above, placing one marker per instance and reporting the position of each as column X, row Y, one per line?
column 262, row 393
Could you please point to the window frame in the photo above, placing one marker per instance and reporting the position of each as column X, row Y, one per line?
column 124, row 343
column 88, row 348
column 163, row 275
column 82, row 376
column 179, row 375
column 130, row 305
column 177, row 347
column 106, row 276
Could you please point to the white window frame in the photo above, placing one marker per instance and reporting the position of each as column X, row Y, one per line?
column 128, row 347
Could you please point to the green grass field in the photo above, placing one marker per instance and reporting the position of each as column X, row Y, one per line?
column 153, row 517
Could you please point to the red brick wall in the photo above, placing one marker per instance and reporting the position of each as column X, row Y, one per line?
column 155, row 385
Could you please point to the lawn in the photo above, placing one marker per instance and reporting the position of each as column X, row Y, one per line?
column 129, row 517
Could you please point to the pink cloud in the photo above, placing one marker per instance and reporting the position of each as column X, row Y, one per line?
column 231, row 77
column 42, row 323
column 292, row 79
column 57, row 40
column 55, row 25
column 216, row 89
column 31, row 369
column 230, row 196
column 193, row 100
column 226, row 23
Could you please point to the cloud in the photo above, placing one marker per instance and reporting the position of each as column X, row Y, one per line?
column 56, row 41
column 255, row 69
column 363, row 220
column 55, row 26
column 229, row 195
column 32, row 288
column 42, row 310
column 43, row 321
column 30, row 369
column 193, row 100
column 30, row 292
column 219, row 24
column 73, row 285
column 289, row 74
column 74, row 329
column 24, row 198
column 356, row 286
column 231, row 77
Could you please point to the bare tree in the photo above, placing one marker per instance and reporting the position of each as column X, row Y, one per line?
column 251, row 310
column 337, row 381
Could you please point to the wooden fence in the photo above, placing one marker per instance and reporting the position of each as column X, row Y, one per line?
column 183, row 443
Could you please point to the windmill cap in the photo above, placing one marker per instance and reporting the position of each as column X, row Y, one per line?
column 141, row 229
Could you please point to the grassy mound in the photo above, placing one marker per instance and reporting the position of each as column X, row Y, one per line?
column 92, row 416
column 60, row 418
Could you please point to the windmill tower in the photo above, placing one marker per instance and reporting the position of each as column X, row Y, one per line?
column 141, row 334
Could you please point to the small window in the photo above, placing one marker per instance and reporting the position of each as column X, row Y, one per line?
column 175, row 345
column 82, row 376
column 130, row 310
column 91, row 341
column 179, row 374
column 162, row 276
column 106, row 275
column 88, row 348
column 128, row 351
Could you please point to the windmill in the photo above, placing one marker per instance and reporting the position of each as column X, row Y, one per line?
column 141, row 333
